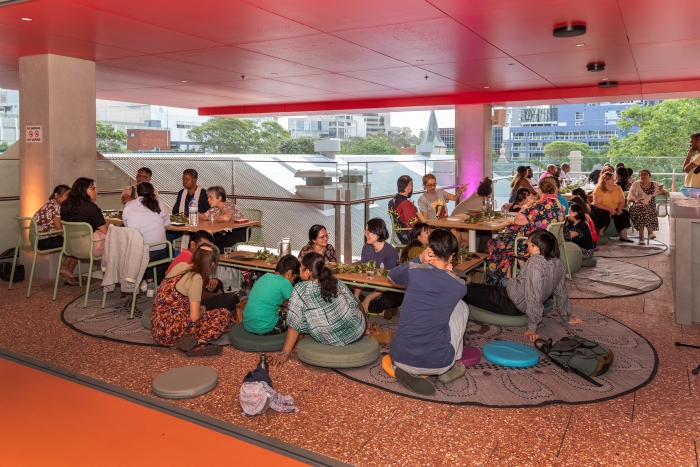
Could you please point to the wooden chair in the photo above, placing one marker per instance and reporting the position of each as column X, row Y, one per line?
column 28, row 240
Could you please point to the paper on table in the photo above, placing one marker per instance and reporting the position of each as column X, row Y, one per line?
column 454, row 219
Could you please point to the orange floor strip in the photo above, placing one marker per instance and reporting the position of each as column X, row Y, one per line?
column 47, row 420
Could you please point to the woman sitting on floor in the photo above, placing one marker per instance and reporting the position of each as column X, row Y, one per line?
column 149, row 216
column 80, row 207
column 579, row 231
column 382, row 253
column 323, row 307
column 533, row 215
column 48, row 218
column 542, row 275
column 643, row 212
column 609, row 204
column 419, row 242
column 318, row 242
column 177, row 317
column 223, row 211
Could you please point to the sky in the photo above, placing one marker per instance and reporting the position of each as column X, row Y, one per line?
column 417, row 120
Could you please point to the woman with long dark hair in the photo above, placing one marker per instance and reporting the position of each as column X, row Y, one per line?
column 80, row 207
column 418, row 242
column 323, row 307
column 48, row 218
column 148, row 215
column 318, row 242
column 177, row 317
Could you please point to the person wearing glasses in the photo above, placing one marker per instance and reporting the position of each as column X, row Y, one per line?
column 433, row 203
column 318, row 242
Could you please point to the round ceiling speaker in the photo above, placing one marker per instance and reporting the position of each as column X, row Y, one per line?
column 595, row 67
column 570, row 30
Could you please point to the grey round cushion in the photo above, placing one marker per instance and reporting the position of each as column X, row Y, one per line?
column 589, row 263
column 573, row 255
column 248, row 342
column 354, row 355
column 185, row 382
column 146, row 318
column 603, row 240
column 488, row 317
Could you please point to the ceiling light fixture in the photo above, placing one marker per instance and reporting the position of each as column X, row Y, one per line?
column 419, row 60
column 426, row 77
column 242, row 76
column 274, row 74
column 595, row 67
column 26, row 19
column 184, row 80
column 607, row 84
column 580, row 45
column 486, row 87
column 511, row 64
column 569, row 30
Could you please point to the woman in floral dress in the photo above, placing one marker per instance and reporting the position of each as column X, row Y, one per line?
column 176, row 317
column 533, row 215
column 643, row 210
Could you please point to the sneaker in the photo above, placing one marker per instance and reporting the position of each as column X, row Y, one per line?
column 143, row 286
column 205, row 350
column 453, row 374
column 415, row 383
column 150, row 290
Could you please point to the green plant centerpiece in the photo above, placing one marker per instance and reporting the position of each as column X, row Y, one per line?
column 266, row 256
column 569, row 189
column 181, row 218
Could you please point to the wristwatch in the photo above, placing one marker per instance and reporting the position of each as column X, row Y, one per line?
column 284, row 353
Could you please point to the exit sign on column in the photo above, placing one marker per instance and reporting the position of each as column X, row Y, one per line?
column 33, row 134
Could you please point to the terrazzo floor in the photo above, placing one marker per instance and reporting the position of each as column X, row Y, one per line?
column 361, row 425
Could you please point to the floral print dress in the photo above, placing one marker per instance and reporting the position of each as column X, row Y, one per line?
column 500, row 249
column 170, row 317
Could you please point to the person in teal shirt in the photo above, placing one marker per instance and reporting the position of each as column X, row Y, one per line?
column 261, row 313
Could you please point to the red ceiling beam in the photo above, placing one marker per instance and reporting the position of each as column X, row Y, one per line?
column 667, row 90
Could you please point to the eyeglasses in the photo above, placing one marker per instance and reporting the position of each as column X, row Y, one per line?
column 322, row 237
column 431, row 185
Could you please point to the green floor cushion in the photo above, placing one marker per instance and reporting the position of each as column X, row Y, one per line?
column 487, row 317
column 573, row 255
column 603, row 240
column 146, row 318
column 589, row 263
column 185, row 382
column 354, row 355
column 243, row 340
column 611, row 231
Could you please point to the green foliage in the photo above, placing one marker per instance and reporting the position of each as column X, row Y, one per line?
column 238, row 136
column 303, row 145
column 373, row 144
column 404, row 138
column 109, row 139
column 558, row 152
column 4, row 145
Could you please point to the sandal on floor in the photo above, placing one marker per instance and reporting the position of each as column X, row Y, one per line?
column 652, row 237
column 205, row 350
column 641, row 242
column 415, row 383
column 185, row 343
column 383, row 337
column 68, row 279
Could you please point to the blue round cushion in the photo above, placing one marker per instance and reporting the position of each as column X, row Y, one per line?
column 509, row 353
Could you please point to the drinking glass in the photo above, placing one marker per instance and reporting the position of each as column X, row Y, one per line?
column 370, row 273
column 227, row 251
column 211, row 217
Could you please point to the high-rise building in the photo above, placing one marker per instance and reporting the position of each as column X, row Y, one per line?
column 327, row 126
column 9, row 113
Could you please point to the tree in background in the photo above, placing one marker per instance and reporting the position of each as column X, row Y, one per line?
column 404, row 138
column 238, row 136
column 4, row 145
column 373, row 144
column 303, row 145
column 109, row 139
column 557, row 152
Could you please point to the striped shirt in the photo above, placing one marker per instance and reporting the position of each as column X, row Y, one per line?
column 537, row 281
column 339, row 322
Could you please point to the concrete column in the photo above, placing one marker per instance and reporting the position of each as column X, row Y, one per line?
column 58, row 94
column 473, row 144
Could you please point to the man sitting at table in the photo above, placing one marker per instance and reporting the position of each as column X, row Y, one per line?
column 551, row 170
column 189, row 192
column 261, row 315
column 213, row 295
column 142, row 175
column 429, row 339
column 402, row 211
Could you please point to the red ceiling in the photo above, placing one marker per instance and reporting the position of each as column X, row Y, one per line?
column 305, row 56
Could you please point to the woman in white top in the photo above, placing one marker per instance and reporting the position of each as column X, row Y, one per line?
column 642, row 195
column 148, row 215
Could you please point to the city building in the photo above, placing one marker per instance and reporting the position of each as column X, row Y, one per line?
column 327, row 126
column 9, row 106
column 448, row 136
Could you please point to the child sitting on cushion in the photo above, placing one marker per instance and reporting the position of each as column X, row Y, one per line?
column 261, row 314
column 542, row 275
column 429, row 339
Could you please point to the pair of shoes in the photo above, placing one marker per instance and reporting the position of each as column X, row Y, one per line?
column 150, row 289
column 390, row 313
column 652, row 237
column 416, row 384
column 185, row 343
column 68, row 278
column 626, row 240
column 205, row 350
column 453, row 374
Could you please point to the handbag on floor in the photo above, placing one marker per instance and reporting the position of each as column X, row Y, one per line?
column 6, row 270
column 578, row 355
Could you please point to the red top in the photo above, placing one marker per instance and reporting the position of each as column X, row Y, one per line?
column 185, row 256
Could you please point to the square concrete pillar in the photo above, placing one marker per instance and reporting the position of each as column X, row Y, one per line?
column 473, row 145
column 57, row 94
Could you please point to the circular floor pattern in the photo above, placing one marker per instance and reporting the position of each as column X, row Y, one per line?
column 612, row 278
column 112, row 322
column 491, row 385
column 617, row 249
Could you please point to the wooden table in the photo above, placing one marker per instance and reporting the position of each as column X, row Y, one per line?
column 212, row 228
column 238, row 259
column 493, row 226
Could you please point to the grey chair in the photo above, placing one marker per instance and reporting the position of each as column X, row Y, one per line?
column 28, row 240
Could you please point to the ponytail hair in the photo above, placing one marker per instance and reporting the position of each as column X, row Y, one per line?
column 317, row 266
column 148, row 197
column 60, row 189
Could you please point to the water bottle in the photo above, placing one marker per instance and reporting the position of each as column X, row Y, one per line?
column 194, row 213
column 263, row 363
